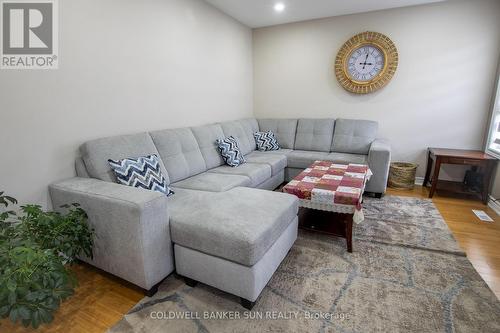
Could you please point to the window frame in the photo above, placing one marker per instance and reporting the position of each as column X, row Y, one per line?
column 494, row 124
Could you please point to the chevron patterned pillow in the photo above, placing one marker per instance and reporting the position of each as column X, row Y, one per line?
column 143, row 172
column 230, row 152
column 266, row 141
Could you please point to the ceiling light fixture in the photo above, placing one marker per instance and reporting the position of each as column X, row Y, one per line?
column 279, row 7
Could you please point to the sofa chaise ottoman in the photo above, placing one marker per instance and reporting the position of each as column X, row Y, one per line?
column 220, row 225
column 229, row 245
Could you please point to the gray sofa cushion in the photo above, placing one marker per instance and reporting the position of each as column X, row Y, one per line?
column 206, row 136
column 346, row 158
column 314, row 134
column 379, row 160
column 280, row 151
column 81, row 169
column 179, row 152
column 234, row 129
column 303, row 158
column 284, row 129
column 277, row 162
column 96, row 153
column 354, row 136
column 258, row 173
column 213, row 182
column 243, row 131
column 227, row 224
column 250, row 126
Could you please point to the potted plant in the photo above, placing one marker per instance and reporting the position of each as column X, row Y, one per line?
column 36, row 249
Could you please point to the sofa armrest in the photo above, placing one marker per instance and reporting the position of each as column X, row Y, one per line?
column 132, row 238
column 379, row 159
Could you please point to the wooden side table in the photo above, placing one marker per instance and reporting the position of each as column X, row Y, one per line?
column 477, row 158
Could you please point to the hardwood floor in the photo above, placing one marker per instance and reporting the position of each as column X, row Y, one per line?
column 101, row 300
column 480, row 240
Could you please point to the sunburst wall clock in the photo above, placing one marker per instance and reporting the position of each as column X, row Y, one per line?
column 366, row 62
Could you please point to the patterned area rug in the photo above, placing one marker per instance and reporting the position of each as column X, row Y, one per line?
column 407, row 274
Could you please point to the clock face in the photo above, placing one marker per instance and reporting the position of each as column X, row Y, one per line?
column 365, row 63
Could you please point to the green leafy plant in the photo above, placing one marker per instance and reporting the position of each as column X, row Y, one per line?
column 36, row 250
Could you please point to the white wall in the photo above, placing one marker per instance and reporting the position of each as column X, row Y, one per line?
column 125, row 67
column 130, row 66
column 439, row 96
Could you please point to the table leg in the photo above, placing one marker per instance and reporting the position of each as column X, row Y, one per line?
column 486, row 180
column 428, row 168
column 348, row 232
column 435, row 176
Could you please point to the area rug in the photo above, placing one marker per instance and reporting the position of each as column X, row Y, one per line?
column 406, row 274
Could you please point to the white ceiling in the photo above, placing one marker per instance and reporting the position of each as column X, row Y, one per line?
column 260, row 13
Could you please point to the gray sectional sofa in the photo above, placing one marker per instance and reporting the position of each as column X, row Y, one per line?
column 223, row 226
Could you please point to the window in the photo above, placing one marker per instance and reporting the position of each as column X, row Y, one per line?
column 493, row 144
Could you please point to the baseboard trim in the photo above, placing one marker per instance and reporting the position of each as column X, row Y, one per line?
column 495, row 205
column 419, row 181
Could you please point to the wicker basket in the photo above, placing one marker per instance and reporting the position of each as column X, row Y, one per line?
column 402, row 175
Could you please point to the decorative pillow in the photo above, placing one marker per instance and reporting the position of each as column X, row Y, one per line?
column 230, row 152
column 266, row 141
column 143, row 172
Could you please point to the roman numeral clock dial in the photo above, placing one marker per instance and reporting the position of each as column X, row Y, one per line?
column 366, row 62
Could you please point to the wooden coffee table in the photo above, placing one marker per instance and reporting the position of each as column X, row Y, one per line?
column 331, row 187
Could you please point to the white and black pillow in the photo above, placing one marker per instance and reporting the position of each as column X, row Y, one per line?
column 266, row 141
column 143, row 172
column 230, row 152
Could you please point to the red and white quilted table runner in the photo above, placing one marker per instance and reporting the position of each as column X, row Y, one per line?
column 331, row 187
